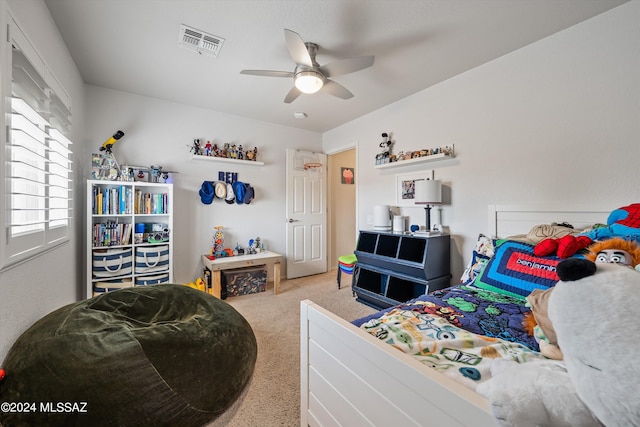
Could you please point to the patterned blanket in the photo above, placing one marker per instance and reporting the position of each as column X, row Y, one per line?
column 475, row 310
column 462, row 355
column 463, row 331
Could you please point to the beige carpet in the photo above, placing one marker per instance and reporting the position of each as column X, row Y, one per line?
column 273, row 396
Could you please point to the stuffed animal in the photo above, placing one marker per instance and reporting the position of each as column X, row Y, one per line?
column 536, row 394
column 623, row 222
column 616, row 250
column 541, row 232
column 198, row 284
column 593, row 313
column 564, row 247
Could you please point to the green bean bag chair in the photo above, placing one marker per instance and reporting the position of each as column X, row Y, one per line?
column 161, row 355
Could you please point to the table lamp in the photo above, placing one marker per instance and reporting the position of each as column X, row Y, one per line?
column 428, row 192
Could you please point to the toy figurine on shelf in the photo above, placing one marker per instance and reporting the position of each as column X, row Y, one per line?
column 240, row 153
column 218, row 242
column 239, row 250
column 196, row 148
column 127, row 174
column 449, row 151
column 207, row 148
column 386, row 144
column 254, row 246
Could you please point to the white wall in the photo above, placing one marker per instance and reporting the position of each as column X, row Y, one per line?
column 30, row 290
column 160, row 133
column 556, row 121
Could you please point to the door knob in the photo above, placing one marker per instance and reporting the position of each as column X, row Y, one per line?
column 292, row 220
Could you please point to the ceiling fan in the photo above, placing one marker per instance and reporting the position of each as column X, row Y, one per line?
column 308, row 76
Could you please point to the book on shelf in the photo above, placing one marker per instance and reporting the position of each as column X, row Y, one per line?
column 151, row 203
column 111, row 233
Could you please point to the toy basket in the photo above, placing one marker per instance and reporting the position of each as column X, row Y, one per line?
column 151, row 259
column 112, row 262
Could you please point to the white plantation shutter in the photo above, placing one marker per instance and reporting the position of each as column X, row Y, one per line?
column 38, row 157
column 59, row 180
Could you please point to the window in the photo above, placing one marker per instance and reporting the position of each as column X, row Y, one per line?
column 37, row 166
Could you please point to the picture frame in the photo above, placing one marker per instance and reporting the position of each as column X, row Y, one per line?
column 405, row 187
column 347, row 175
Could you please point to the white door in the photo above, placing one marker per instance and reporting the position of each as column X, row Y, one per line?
column 306, row 212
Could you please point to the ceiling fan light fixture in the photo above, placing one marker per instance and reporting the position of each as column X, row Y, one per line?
column 308, row 81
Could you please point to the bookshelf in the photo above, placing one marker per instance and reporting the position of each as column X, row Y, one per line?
column 129, row 235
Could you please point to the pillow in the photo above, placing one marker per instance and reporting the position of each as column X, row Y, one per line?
column 516, row 271
column 481, row 254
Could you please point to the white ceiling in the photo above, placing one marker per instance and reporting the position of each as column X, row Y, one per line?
column 132, row 45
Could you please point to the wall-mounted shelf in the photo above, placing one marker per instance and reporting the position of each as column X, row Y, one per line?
column 226, row 160
column 417, row 160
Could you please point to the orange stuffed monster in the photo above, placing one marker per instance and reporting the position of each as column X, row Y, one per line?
column 616, row 250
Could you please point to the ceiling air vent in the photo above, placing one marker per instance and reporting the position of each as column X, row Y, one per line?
column 199, row 41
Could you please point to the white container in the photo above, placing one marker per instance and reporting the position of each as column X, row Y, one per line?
column 382, row 217
column 398, row 223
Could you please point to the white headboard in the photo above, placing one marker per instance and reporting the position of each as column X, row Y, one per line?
column 509, row 220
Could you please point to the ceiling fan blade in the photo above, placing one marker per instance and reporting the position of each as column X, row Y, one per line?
column 267, row 73
column 292, row 95
column 297, row 48
column 336, row 89
column 347, row 66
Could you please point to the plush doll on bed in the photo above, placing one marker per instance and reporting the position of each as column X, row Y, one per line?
column 537, row 323
column 593, row 311
column 623, row 222
column 617, row 251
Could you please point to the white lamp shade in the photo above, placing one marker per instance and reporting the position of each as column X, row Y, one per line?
column 308, row 81
column 428, row 192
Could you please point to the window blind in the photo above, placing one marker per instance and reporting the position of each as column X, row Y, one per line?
column 38, row 166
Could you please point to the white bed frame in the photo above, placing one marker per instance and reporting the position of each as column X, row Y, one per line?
column 349, row 378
